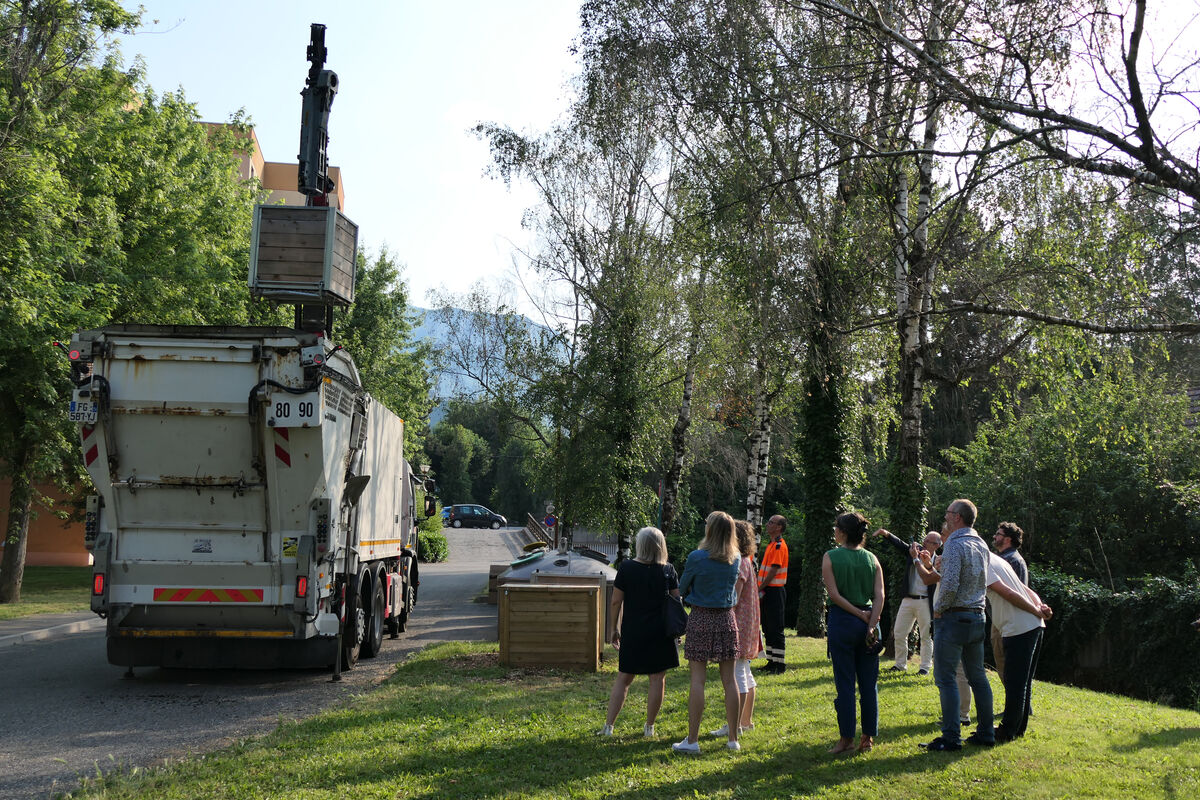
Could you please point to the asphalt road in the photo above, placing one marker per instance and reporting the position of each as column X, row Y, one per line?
column 66, row 712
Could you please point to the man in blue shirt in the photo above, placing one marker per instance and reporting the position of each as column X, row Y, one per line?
column 959, row 627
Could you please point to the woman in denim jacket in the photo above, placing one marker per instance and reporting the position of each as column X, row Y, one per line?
column 710, row 585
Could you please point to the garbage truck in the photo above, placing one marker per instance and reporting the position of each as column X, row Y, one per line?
column 254, row 507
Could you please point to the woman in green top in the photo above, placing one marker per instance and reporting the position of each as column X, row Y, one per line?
column 854, row 581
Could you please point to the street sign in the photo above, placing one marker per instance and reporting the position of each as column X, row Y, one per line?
column 550, row 520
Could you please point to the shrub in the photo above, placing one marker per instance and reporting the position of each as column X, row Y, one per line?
column 433, row 546
column 1135, row 642
column 1103, row 479
column 429, row 524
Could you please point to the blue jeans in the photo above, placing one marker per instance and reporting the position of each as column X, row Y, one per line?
column 853, row 663
column 958, row 636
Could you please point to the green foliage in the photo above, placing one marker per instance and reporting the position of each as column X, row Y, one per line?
column 433, row 546
column 1102, row 475
column 377, row 331
column 428, row 524
column 461, row 459
column 1136, row 642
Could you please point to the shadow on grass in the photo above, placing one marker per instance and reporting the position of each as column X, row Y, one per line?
column 1168, row 737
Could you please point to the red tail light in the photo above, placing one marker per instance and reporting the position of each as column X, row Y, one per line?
column 302, row 586
column 98, row 583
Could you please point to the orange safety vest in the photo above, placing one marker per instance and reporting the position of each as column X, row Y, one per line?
column 777, row 553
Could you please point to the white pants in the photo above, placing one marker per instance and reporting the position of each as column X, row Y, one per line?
column 741, row 674
column 913, row 611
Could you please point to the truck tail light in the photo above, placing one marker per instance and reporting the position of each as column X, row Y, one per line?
column 302, row 586
column 98, row 583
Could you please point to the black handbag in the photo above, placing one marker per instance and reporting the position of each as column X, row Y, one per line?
column 674, row 616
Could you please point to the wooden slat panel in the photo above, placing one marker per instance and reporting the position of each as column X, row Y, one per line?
column 292, row 226
column 281, row 271
column 291, row 239
column 298, row 254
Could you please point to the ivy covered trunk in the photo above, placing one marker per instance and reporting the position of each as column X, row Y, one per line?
column 821, row 445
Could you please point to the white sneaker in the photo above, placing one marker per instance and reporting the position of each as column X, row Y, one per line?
column 607, row 730
column 691, row 748
column 724, row 730
column 648, row 731
column 733, row 746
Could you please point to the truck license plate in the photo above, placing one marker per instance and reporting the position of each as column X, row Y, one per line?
column 82, row 411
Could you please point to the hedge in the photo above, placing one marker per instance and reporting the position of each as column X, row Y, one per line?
column 1137, row 642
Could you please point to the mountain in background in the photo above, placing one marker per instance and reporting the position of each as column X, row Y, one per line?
column 449, row 383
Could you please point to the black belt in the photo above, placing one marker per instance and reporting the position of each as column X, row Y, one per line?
column 964, row 609
column 917, row 596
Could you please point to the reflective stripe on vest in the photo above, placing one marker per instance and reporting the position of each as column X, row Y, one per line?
column 777, row 554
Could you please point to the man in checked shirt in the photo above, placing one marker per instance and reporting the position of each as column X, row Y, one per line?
column 959, row 628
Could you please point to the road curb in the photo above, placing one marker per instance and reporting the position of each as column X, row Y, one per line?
column 50, row 633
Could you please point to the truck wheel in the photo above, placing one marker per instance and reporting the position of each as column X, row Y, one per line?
column 410, row 599
column 353, row 629
column 457, row 523
column 373, row 636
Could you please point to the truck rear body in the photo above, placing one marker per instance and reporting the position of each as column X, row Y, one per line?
column 221, row 457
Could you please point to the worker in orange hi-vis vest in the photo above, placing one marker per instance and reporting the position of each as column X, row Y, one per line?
column 772, row 577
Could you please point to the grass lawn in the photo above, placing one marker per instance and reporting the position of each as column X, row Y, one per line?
column 452, row 723
column 51, row 590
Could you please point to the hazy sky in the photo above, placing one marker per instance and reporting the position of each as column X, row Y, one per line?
column 414, row 77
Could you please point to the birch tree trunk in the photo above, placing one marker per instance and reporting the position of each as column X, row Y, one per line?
column 915, row 269
column 674, row 477
column 760, row 451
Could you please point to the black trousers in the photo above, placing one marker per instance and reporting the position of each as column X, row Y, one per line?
column 771, row 606
column 1020, row 662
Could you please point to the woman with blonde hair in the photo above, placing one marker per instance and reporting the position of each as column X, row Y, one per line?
column 643, row 648
column 749, row 627
column 710, row 585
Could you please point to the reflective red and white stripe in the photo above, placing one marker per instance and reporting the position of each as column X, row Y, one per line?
column 89, row 453
column 281, row 447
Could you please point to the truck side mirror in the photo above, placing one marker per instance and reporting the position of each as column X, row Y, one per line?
column 430, row 506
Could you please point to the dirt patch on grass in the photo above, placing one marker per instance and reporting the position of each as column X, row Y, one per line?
column 475, row 661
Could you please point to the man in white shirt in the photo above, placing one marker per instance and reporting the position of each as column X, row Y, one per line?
column 916, row 607
column 1019, row 615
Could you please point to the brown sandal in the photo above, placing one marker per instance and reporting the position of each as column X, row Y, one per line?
column 865, row 744
column 842, row 746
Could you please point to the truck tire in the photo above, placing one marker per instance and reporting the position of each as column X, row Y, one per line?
column 410, row 599
column 392, row 622
column 355, row 625
column 372, row 641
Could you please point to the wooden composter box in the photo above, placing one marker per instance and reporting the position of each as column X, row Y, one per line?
column 303, row 254
column 551, row 626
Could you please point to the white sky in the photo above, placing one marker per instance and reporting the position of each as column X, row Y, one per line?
column 414, row 77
